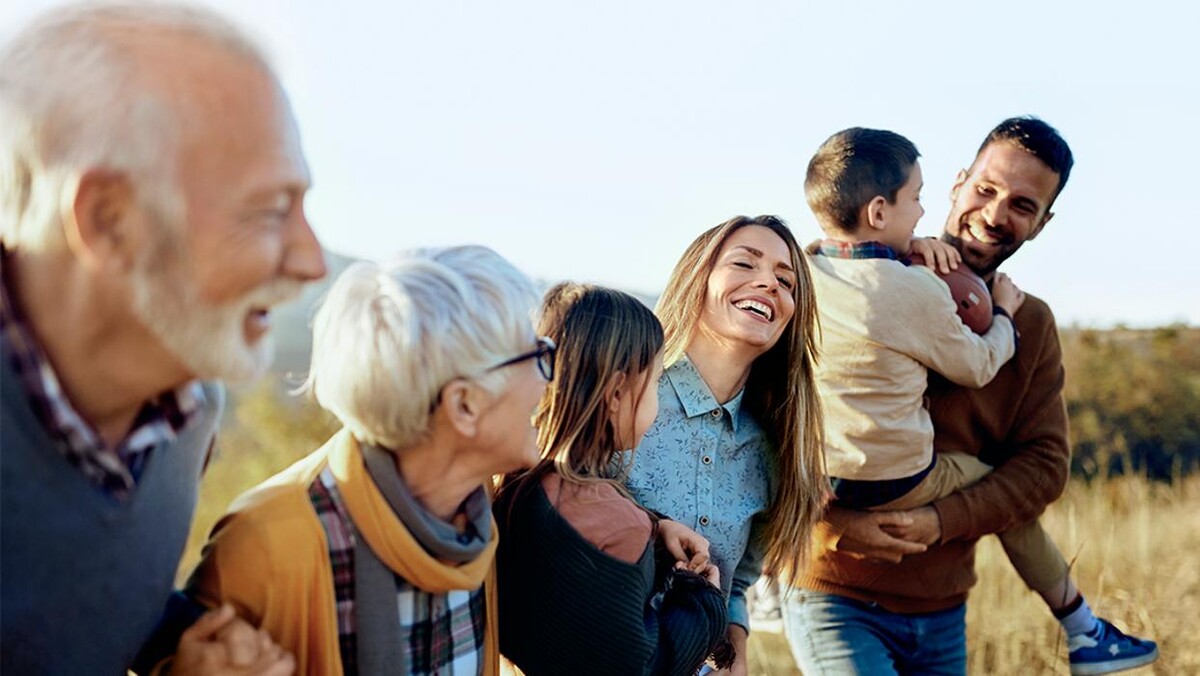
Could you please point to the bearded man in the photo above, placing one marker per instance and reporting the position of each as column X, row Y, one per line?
column 151, row 216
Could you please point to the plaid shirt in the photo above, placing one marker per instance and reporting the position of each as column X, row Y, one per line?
column 442, row 634
column 835, row 248
column 115, row 470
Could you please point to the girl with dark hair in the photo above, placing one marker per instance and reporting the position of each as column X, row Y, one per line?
column 580, row 591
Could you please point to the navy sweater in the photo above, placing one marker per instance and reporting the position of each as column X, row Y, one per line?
column 568, row 608
column 84, row 577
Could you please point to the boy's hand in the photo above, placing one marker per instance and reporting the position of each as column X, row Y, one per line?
column 939, row 256
column 1006, row 295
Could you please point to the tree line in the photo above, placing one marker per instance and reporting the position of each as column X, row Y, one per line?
column 1133, row 397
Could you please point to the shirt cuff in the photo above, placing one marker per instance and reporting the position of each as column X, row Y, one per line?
column 737, row 612
column 1001, row 312
column 952, row 511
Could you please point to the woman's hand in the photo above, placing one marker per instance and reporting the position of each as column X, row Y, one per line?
column 740, row 667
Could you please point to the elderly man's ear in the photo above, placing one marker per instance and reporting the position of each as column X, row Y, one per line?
column 104, row 225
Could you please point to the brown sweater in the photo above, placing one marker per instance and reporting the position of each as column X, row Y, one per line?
column 1017, row 422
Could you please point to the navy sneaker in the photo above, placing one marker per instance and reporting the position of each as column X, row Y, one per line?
column 1108, row 650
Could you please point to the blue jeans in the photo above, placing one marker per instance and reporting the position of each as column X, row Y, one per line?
column 832, row 634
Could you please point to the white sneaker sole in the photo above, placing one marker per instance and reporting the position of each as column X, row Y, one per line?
column 1113, row 665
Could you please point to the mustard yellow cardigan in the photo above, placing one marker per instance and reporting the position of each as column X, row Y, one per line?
column 269, row 558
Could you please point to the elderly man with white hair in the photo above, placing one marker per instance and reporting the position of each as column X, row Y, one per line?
column 151, row 189
column 374, row 554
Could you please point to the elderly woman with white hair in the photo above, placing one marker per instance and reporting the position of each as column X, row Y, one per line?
column 374, row 553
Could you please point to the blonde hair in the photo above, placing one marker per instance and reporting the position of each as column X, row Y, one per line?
column 602, row 334
column 780, row 391
column 386, row 340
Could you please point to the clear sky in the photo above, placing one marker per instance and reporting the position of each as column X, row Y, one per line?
column 595, row 140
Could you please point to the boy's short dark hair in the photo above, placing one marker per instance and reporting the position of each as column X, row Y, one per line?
column 851, row 168
column 1040, row 140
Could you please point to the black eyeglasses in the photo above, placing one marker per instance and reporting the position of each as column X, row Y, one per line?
column 544, row 353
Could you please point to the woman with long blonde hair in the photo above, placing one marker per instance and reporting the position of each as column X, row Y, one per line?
column 736, row 450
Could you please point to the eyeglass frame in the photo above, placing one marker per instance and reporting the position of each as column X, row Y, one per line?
column 544, row 353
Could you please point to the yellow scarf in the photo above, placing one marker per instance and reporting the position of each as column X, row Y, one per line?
column 400, row 551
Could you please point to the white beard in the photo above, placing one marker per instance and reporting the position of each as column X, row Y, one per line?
column 209, row 340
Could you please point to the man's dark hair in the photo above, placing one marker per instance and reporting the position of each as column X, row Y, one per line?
column 1039, row 139
column 853, row 167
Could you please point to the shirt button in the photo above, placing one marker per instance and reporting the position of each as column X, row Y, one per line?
column 706, row 460
column 704, row 521
column 716, row 413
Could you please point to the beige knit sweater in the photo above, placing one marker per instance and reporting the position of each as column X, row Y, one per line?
column 883, row 324
column 1019, row 424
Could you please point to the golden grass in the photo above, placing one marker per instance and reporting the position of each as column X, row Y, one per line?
column 1136, row 547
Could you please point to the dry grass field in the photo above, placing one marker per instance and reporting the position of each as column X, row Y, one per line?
column 1135, row 544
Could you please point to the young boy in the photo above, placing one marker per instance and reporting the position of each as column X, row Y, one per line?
column 884, row 323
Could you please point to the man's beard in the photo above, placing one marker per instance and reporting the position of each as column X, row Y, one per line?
column 209, row 340
column 992, row 264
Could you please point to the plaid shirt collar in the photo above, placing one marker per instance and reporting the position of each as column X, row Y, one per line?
column 115, row 470
column 836, row 248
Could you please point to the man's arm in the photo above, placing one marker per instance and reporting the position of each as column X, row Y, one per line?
column 1034, row 471
column 181, row 612
column 191, row 639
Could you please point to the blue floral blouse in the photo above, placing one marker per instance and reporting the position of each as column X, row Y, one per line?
column 707, row 466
